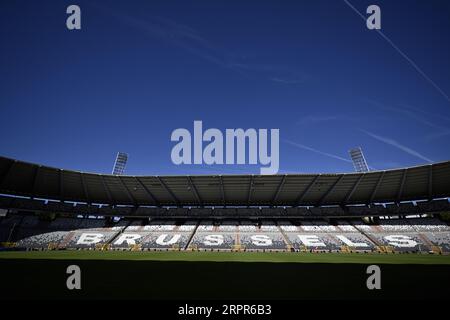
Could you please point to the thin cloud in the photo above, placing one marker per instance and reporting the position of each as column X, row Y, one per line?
column 404, row 55
column 188, row 39
column 428, row 113
column 408, row 113
column 398, row 145
column 326, row 154
column 273, row 73
column 312, row 119
column 389, row 165
column 437, row 135
column 285, row 81
column 414, row 114
column 442, row 131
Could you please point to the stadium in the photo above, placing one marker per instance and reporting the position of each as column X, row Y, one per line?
column 245, row 124
column 394, row 216
column 61, row 209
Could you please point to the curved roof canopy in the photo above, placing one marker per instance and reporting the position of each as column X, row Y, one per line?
column 36, row 181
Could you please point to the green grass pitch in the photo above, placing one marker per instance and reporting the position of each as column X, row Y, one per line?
column 276, row 257
column 182, row 275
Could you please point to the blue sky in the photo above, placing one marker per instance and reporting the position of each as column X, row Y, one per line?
column 140, row 69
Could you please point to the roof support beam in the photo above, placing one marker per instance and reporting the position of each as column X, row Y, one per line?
column 61, row 186
column 374, row 192
column 280, row 186
column 222, row 189
column 329, row 190
column 6, row 173
column 168, row 190
column 430, row 183
column 303, row 194
column 128, row 192
column 147, row 191
column 250, row 189
column 86, row 193
column 108, row 192
column 194, row 189
column 402, row 184
column 35, row 180
column 350, row 194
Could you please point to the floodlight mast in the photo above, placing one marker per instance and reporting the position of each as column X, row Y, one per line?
column 359, row 161
column 120, row 163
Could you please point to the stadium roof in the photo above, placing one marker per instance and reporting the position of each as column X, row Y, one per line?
column 37, row 181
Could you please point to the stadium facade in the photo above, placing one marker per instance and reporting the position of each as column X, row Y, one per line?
column 380, row 211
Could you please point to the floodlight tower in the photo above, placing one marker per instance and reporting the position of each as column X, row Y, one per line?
column 359, row 162
column 120, row 163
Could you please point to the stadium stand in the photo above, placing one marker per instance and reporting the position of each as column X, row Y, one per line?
column 396, row 235
column 264, row 236
column 215, row 237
